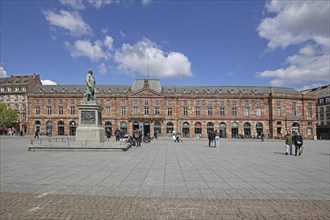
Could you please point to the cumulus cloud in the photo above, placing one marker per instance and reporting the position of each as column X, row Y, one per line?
column 3, row 72
column 145, row 56
column 48, row 82
column 301, row 23
column 95, row 51
column 102, row 68
column 70, row 22
column 75, row 4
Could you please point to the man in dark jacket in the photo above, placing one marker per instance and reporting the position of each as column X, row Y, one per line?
column 298, row 142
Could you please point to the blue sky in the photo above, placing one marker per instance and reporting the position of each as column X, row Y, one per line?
column 211, row 43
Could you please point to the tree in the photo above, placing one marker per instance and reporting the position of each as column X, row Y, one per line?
column 8, row 116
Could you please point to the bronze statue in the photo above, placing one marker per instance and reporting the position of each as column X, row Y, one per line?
column 90, row 92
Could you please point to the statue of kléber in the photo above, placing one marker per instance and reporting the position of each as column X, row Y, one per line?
column 90, row 91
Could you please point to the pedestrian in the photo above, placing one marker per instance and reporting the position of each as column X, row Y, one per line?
column 209, row 136
column 117, row 134
column 298, row 142
column 108, row 134
column 217, row 139
column 174, row 136
column 288, row 143
column 262, row 136
column 36, row 134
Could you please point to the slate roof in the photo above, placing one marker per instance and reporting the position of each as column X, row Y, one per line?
column 319, row 92
column 155, row 85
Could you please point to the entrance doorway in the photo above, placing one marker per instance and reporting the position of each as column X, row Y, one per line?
column 60, row 128
column 234, row 130
column 223, row 133
column 72, row 128
column 135, row 126
column 146, row 129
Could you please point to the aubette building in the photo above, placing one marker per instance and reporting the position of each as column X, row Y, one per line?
column 245, row 111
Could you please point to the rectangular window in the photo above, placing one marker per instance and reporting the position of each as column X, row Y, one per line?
column 185, row 110
column 222, row 111
column 72, row 101
column 135, row 102
column 38, row 110
column 60, row 102
column 123, row 110
column 198, row 110
column 157, row 111
column 123, row 102
column 169, row 103
column 210, row 103
column 185, row 102
column 60, row 110
column 108, row 110
column 49, row 101
column 157, row 103
column 72, row 110
column 246, row 111
column 49, row 110
column 146, row 102
column 169, row 110
column 278, row 111
column 309, row 110
column 222, row 103
column 197, row 102
column 135, row 110
column 234, row 111
column 246, row 103
column 209, row 111
column 146, row 110
column 258, row 113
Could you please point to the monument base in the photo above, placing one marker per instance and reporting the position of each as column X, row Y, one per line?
column 90, row 134
column 90, row 123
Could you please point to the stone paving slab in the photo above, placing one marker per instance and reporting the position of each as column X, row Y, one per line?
column 52, row 206
column 244, row 179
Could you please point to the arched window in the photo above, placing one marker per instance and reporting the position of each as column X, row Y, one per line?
column 169, row 128
column 210, row 127
column 60, row 128
column 49, row 128
column 234, row 130
column 198, row 128
column 259, row 129
column 108, row 125
column 157, row 127
column 223, row 130
column 37, row 125
column 185, row 129
column 72, row 128
column 247, row 130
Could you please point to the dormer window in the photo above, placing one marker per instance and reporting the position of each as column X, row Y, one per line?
column 64, row 90
column 110, row 90
column 41, row 89
column 8, row 89
column 53, row 90
column 125, row 90
column 184, row 90
column 208, row 91
column 196, row 90
column 2, row 89
column 24, row 89
column 169, row 90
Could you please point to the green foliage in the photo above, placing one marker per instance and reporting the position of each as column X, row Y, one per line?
column 7, row 116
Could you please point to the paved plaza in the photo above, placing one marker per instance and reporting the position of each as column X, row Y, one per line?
column 244, row 179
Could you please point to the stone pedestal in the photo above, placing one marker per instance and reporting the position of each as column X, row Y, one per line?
column 90, row 128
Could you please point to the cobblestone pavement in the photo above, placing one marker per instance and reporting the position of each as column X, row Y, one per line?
column 244, row 179
column 45, row 206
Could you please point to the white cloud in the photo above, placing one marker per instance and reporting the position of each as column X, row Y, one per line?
column 3, row 72
column 102, row 68
column 48, row 82
column 68, row 21
column 311, row 86
column 75, row 4
column 99, row 3
column 99, row 50
column 146, row 56
column 301, row 23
